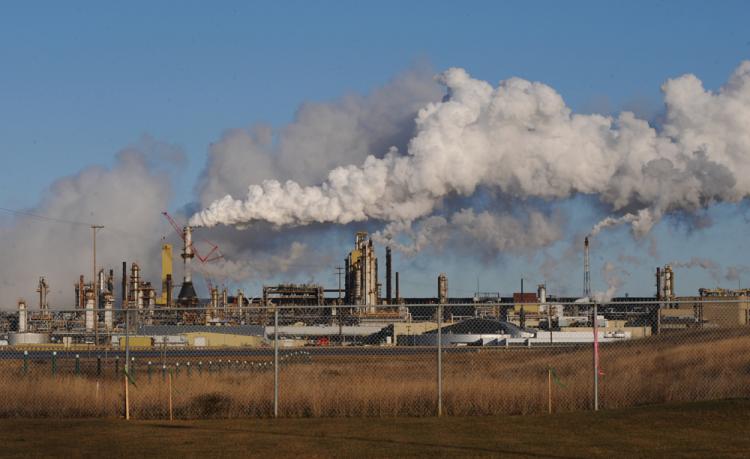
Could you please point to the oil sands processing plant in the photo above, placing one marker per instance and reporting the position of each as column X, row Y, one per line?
column 367, row 309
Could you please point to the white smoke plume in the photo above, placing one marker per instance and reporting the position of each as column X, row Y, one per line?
column 735, row 273
column 613, row 277
column 706, row 264
column 488, row 233
column 521, row 140
column 641, row 222
column 323, row 135
column 238, row 270
column 127, row 199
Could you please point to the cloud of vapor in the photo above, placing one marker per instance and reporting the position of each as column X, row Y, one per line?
column 323, row 135
column 483, row 232
column 735, row 273
column 521, row 140
column 706, row 264
column 614, row 278
column 291, row 260
column 126, row 198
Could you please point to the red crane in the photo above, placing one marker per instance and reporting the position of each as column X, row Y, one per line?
column 212, row 255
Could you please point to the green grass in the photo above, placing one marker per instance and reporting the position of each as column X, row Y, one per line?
column 702, row 429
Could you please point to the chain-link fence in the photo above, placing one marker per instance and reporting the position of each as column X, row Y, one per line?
column 399, row 360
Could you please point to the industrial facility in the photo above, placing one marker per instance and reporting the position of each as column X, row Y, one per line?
column 356, row 313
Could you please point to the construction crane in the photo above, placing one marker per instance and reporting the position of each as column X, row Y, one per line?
column 212, row 255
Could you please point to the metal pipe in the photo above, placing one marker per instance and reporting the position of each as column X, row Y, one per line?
column 169, row 291
column 596, row 360
column 440, row 360
column 276, row 362
column 398, row 292
column 388, row 267
column 124, row 286
column 127, row 342
column 586, row 269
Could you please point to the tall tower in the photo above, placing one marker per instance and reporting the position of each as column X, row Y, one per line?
column 388, row 275
column 586, row 269
column 362, row 272
column 166, row 272
column 43, row 290
column 187, row 291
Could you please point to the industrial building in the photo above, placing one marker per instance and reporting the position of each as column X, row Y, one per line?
column 358, row 313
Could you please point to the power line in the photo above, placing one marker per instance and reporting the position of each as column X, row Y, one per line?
column 42, row 217
column 72, row 222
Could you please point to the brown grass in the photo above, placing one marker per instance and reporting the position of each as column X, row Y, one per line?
column 679, row 368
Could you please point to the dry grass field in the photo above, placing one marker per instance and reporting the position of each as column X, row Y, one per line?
column 685, row 367
column 701, row 429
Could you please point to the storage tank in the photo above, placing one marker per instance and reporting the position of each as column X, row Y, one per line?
column 542, row 293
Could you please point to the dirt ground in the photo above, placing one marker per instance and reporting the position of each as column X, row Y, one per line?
column 702, row 429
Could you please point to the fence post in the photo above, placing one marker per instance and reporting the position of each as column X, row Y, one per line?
column 25, row 362
column 54, row 362
column 78, row 364
column 440, row 360
column 127, row 341
column 596, row 359
column 98, row 365
column 276, row 362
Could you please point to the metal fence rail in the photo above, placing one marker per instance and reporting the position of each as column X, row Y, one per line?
column 344, row 360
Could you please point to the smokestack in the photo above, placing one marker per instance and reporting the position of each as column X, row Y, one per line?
column 398, row 291
column 658, row 283
column 187, row 291
column 124, row 286
column 542, row 293
column 111, row 281
column 22, row 316
column 168, row 292
column 187, row 252
column 388, row 267
column 586, row 269
column 81, row 293
column 442, row 288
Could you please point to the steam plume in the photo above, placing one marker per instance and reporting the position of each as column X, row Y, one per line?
column 521, row 140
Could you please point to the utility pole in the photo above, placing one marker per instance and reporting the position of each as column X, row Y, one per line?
column 95, row 281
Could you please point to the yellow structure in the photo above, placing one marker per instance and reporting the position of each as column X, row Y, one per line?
column 729, row 314
column 210, row 339
column 136, row 341
column 166, row 269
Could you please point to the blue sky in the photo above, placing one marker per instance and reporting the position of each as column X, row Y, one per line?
column 81, row 80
